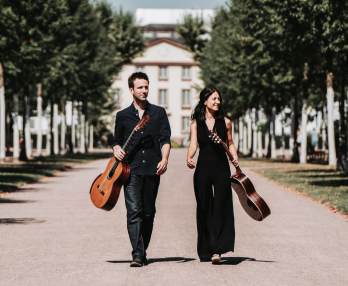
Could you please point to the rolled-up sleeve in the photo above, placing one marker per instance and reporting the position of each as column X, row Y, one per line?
column 165, row 132
column 118, row 134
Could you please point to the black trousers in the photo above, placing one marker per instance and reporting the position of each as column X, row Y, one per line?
column 215, row 218
column 140, row 194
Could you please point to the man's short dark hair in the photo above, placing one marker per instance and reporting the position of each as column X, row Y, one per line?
column 137, row 75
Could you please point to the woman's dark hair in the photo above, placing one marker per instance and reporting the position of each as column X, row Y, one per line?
column 199, row 112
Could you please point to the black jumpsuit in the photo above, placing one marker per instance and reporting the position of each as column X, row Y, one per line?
column 215, row 219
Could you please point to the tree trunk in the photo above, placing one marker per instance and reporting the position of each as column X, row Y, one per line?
column 91, row 138
column 86, row 119
column 342, row 160
column 55, row 130
column 324, row 130
column 254, row 130
column 48, row 134
column 259, row 136
column 273, row 142
column 330, row 119
column 266, row 150
column 269, row 137
column 245, row 136
column 259, row 144
column 73, row 127
column 62, row 129
column 25, row 138
column 15, row 128
column 27, row 135
column 319, row 122
column 39, row 120
column 2, row 116
column 82, row 134
column 250, row 134
column 304, row 117
column 295, row 154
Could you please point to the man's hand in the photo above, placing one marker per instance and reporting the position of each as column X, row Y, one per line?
column 119, row 153
column 190, row 163
column 162, row 167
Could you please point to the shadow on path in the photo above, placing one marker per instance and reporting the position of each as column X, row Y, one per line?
column 154, row 260
column 331, row 183
column 25, row 220
column 237, row 260
column 14, row 201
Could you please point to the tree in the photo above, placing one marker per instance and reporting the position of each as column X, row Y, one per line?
column 194, row 34
column 2, row 114
column 30, row 41
column 331, row 28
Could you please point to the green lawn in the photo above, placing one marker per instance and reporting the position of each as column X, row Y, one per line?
column 15, row 175
column 321, row 183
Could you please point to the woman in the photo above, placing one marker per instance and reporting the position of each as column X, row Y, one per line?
column 215, row 219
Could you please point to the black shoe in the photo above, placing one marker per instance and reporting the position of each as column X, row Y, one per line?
column 136, row 262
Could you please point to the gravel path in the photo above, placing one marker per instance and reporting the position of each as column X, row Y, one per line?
column 50, row 234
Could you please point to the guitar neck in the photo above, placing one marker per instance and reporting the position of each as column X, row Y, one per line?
column 125, row 145
column 230, row 156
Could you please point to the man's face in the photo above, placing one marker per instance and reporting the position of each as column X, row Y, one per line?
column 140, row 89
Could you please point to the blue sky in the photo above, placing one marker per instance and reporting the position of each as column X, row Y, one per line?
column 131, row 5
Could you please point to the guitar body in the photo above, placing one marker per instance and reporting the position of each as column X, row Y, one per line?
column 250, row 200
column 105, row 189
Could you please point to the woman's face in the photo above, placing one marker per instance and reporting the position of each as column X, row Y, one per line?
column 213, row 102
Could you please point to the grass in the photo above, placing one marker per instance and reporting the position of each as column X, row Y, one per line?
column 323, row 184
column 15, row 175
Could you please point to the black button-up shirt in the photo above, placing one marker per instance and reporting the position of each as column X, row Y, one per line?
column 144, row 150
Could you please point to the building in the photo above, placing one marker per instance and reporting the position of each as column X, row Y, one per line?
column 174, row 74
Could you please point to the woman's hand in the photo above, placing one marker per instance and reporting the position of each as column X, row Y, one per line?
column 190, row 163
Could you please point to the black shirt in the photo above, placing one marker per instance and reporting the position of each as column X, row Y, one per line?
column 144, row 151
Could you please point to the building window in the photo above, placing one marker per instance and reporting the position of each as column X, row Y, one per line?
column 163, row 98
column 185, row 124
column 186, row 98
column 139, row 68
column 186, row 73
column 163, row 73
column 116, row 92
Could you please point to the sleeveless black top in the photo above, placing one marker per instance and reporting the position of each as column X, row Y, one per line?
column 210, row 152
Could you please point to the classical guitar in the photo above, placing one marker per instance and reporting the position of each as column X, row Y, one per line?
column 106, row 188
column 250, row 200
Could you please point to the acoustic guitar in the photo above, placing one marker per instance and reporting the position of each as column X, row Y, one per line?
column 251, row 201
column 106, row 187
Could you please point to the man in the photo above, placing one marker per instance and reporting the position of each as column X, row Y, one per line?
column 148, row 159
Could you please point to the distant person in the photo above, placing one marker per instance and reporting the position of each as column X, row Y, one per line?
column 212, row 187
column 148, row 160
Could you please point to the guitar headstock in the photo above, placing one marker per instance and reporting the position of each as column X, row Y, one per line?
column 141, row 124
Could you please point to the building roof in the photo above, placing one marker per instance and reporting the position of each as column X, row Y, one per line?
column 164, row 51
column 159, row 27
column 172, row 42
